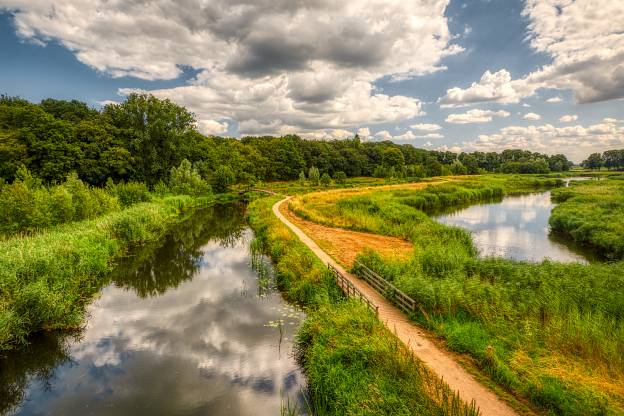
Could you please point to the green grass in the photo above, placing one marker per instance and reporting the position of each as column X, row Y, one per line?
column 353, row 364
column 46, row 279
column 551, row 332
column 592, row 213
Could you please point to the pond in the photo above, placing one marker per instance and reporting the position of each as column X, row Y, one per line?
column 187, row 327
column 516, row 228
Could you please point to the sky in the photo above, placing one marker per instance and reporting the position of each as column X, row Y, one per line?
column 486, row 75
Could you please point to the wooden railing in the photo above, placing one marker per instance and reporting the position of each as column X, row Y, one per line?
column 350, row 290
column 390, row 291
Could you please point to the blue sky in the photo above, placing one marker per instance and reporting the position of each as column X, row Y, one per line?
column 458, row 75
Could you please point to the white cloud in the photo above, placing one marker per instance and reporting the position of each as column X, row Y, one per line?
column 554, row 100
column 568, row 118
column 212, row 127
column 407, row 136
column 270, row 67
column 431, row 136
column 426, row 127
column 585, row 41
column 575, row 141
column 364, row 132
column 531, row 116
column 497, row 87
column 475, row 116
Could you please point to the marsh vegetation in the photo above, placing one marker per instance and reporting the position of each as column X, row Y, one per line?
column 551, row 332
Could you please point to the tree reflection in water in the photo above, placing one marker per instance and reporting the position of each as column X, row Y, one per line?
column 149, row 271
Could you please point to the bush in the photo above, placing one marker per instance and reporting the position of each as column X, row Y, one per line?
column 185, row 180
column 340, row 177
column 325, row 179
column 26, row 205
column 223, row 178
column 129, row 193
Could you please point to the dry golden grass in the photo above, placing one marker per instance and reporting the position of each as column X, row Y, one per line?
column 344, row 245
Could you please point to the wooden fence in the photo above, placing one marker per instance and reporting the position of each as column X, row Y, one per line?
column 390, row 291
column 350, row 290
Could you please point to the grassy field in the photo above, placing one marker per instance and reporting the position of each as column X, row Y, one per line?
column 550, row 332
column 353, row 364
column 592, row 213
column 47, row 278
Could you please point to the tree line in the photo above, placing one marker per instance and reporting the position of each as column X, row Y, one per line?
column 143, row 138
column 610, row 159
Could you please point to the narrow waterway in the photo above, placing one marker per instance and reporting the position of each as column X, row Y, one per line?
column 516, row 228
column 187, row 327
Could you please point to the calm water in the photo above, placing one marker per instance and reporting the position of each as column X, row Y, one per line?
column 515, row 228
column 187, row 328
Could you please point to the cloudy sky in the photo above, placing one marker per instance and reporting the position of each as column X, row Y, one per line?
column 545, row 75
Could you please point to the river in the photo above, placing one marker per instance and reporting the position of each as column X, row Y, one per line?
column 516, row 228
column 186, row 327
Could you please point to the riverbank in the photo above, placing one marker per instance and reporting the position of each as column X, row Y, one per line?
column 353, row 364
column 550, row 332
column 592, row 214
column 47, row 278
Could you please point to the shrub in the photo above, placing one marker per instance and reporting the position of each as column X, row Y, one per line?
column 129, row 193
column 185, row 180
column 325, row 179
column 223, row 178
column 340, row 177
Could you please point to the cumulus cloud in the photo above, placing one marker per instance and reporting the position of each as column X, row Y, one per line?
column 568, row 118
column 475, row 116
column 212, row 127
column 426, row 127
column 531, row 116
column 554, row 100
column 586, row 44
column 575, row 141
column 268, row 66
column 497, row 87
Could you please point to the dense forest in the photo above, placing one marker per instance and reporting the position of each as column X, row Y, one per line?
column 143, row 138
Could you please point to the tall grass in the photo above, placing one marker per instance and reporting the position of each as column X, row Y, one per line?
column 46, row 279
column 26, row 205
column 551, row 332
column 592, row 213
column 353, row 364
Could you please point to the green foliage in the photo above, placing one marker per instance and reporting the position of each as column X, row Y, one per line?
column 325, row 179
column 314, row 176
column 26, row 205
column 302, row 178
column 185, row 180
column 224, row 177
column 514, row 318
column 143, row 138
column 592, row 213
column 594, row 161
column 47, row 279
column 340, row 177
column 353, row 364
column 129, row 193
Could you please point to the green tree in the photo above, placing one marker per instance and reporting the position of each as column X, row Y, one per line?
column 186, row 180
column 314, row 175
column 302, row 178
column 340, row 177
column 594, row 161
column 156, row 132
column 223, row 178
column 325, row 179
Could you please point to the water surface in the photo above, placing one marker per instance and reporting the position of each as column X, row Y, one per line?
column 186, row 328
column 515, row 228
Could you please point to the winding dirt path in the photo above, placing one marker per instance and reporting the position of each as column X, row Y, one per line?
column 440, row 362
